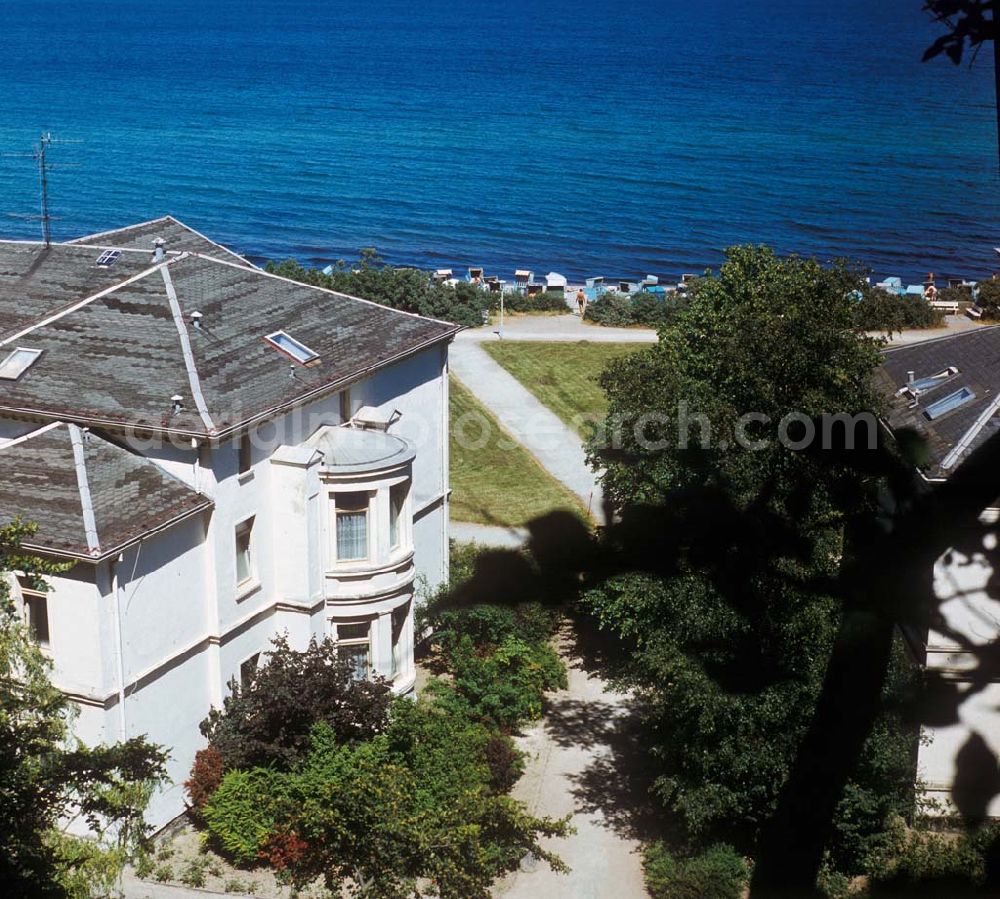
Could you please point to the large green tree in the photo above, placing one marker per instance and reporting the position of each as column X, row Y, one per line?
column 734, row 529
column 47, row 778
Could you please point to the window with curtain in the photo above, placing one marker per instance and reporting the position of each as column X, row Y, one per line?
column 244, row 559
column 397, row 497
column 354, row 647
column 351, row 525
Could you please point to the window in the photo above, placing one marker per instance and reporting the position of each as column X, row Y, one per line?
column 248, row 670
column 399, row 617
column 950, row 402
column 397, row 497
column 292, row 347
column 351, row 526
column 354, row 646
column 244, row 555
column 108, row 258
column 17, row 363
column 345, row 404
column 36, row 611
column 246, row 454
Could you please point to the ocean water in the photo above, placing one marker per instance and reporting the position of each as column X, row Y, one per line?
column 586, row 136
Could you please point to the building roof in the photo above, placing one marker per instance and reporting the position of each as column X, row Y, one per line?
column 953, row 434
column 118, row 342
column 349, row 450
column 177, row 237
column 89, row 498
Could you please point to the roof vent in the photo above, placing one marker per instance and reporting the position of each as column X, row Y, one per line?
column 178, row 403
column 159, row 250
column 196, row 318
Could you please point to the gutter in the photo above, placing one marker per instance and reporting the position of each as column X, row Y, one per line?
column 37, row 548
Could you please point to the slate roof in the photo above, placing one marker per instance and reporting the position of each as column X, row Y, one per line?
column 177, row 237
column 976, row 355
column 114, row 344
column 128, row 496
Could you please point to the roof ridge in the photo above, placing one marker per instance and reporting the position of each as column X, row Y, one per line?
column 194, row 380
column 24, row 438
column 86, row 500
column 86, row 301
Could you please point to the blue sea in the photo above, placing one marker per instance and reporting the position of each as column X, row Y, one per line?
column 585, row 136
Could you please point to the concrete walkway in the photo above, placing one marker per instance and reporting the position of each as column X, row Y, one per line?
column 556, row 447
column 488, row 535
column 585, row 761
column 557, row 328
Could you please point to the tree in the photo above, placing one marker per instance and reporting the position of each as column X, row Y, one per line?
column 269, row 720
column 47, row 778
column 736, row 528
column 988, row 298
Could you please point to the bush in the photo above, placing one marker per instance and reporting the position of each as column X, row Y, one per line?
column 408, row 289
column 206, row 775
column 193, row 873
column 488, row 625
column 506, row 763
column 550, row 301
column 505, row 688
column 242, row 813
column 718, row 873
column 918, row 862
column 269, row 721
column 988, row 297
column 611, row 308
column 879, row 310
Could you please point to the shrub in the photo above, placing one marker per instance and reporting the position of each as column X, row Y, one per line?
column 879, row 310
column 988, row 297
column 718, row 873
column 236, row 885
column 550, row 301
column 919, row 862
column 407, row 289
column 163, row 873
column 506, row 763
column 488, row 625
column 193, row 873
column 506, row 687
column 269, row 721
column 241, row 813
column 611, row 308
column 206, row 775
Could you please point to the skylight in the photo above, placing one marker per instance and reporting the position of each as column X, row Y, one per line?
column 288, row 345
column 17, row 363
column 948, row 403
column 922, row 385
column 108, row 258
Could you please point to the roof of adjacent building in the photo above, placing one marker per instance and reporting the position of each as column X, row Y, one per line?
column 951, row 436
column 88, row 497
column 118, row 342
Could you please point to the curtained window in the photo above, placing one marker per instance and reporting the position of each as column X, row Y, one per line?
column 351, row 525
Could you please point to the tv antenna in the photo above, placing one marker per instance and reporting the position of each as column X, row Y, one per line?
column 39, row 154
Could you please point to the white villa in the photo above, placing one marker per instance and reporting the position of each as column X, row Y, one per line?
column 948, row 391
column 222, row 455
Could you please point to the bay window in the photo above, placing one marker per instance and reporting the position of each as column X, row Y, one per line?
column 354, row 646
column 397, row 497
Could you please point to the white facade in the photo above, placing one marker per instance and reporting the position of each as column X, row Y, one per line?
column 969, row 603
column 147, row 643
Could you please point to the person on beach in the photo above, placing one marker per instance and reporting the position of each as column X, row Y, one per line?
column 581, row 301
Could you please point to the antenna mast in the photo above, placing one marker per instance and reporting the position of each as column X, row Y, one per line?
column 43, row 180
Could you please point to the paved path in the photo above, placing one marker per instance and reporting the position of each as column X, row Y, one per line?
column 558, row 328
column 953, row 324
column 583, row 762
column 557, row 448
column 488, row 535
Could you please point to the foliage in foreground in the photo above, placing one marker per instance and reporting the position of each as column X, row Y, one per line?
column 717, row 873
column 735, row 540
column 47, row 779
column 388, row 798
column 268, row 721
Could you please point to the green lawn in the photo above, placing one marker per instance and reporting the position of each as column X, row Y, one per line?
column 563, row 376
column 494, row 479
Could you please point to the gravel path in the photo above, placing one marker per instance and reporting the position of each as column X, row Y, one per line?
column 557, row 328
column 585, row 762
